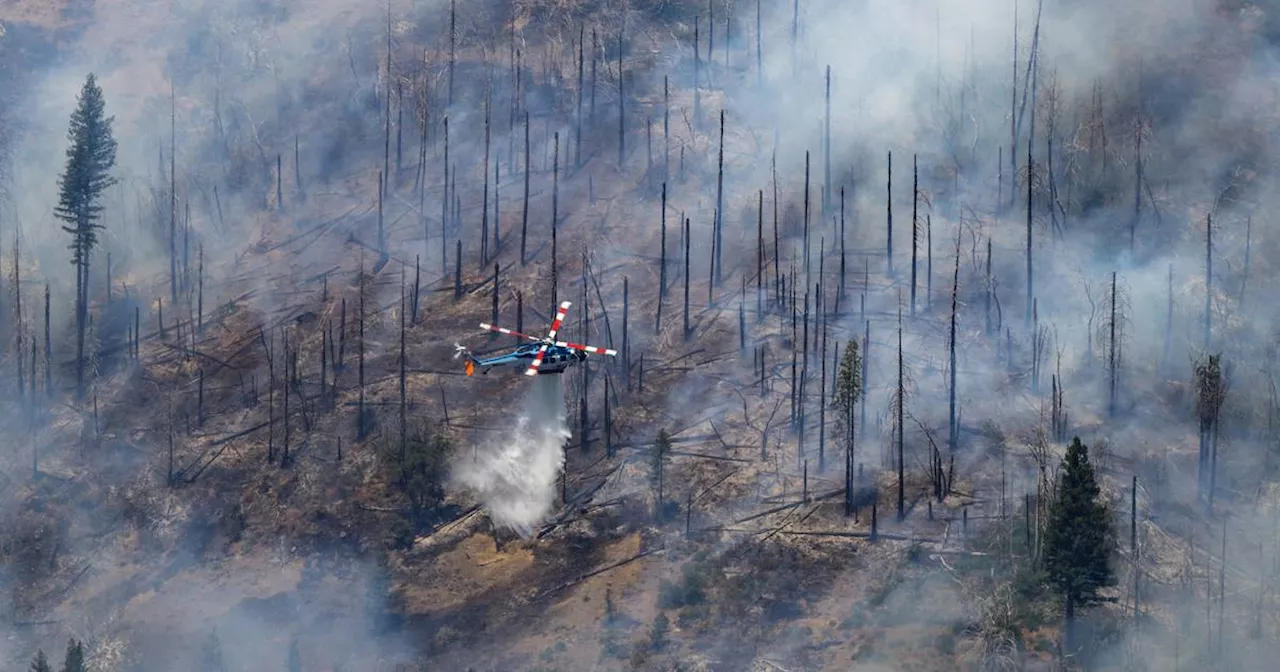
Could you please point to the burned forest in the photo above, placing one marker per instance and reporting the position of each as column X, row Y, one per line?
column 637, row 335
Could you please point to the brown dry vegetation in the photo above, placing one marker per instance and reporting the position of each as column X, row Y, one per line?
column 802, row 587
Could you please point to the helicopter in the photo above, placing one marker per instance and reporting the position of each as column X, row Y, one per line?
column 539, row 357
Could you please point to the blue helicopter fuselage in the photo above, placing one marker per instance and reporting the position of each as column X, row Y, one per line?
column 556, row 359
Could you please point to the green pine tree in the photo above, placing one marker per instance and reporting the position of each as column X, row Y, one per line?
column 658, row 632
column 848, row 393
column 90, row 158
column 74, row 660
column 661, row 448
column 1077, row 541
column 41, row 663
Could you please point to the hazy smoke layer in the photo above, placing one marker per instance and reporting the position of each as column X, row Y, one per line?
column 515, row 473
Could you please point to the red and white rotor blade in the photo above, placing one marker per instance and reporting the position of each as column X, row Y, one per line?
column 587, row 348
column 537, row 362
column 560, row 315
column 509, row 332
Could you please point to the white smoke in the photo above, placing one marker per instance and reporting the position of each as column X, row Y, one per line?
column 514, row 474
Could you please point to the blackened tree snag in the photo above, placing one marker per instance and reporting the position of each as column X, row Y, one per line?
column 686, row 279
column 453, row 44
column 760, row 257
column 661, row 448
column 626, row 343
column 989, row 281
column 806, row 220
column 519, row 311
column 457, row 271
column 662, row 261
column 1032, row 79
column 173, row 198
column 622, row 107
column 697, row 75
column 403, row 362
column 494, row 317
column 915, row 228
column 444, row 197
column 888, row 201
column 417, row 286
column 1114, row 324
column 484, row 199
column 577, row 119
column 342, row 339
column 555, row 217
column 1208, row 281
column 777, row 272
column 928, row 265
column 1211, row 392
column 840, row 290
column 899, row 410
column 285, row 379
column 826, row 147
column 953, row 424
column 666, row 130
column 361, row 428
column 719, row 224
column 48, row 349
column 524, row 217
column 595, row 51
column 382, row 229
column 822, row 408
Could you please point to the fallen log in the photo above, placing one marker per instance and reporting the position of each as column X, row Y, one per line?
column 602, row 570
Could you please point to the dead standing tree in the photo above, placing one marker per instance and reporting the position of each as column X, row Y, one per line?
column 899, row 407
column 1115, row 305
column 1211, row 392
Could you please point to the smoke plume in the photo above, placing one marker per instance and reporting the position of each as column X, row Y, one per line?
column 514, row 474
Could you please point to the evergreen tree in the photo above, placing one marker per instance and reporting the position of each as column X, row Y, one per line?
column 41, row 663
column 848, row 393
column 661, row 448
column 658, row 632
column 90, row 158
column 74, row 660
column 1077, row 541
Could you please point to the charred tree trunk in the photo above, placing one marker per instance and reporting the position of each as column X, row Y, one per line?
column 361, row 426
column 444, row 198
column 48, row 348
column 666, row 130
column 915, row 228
column 1208, row 281
column 555, row 218
column 686, row 279
column 577, row 119
column 954, row 436
column 900, row 417
column 484, row 198
column 760, row 258
column 718, row 262
column 888, row 201
column 662, row 261
column 524, row 217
